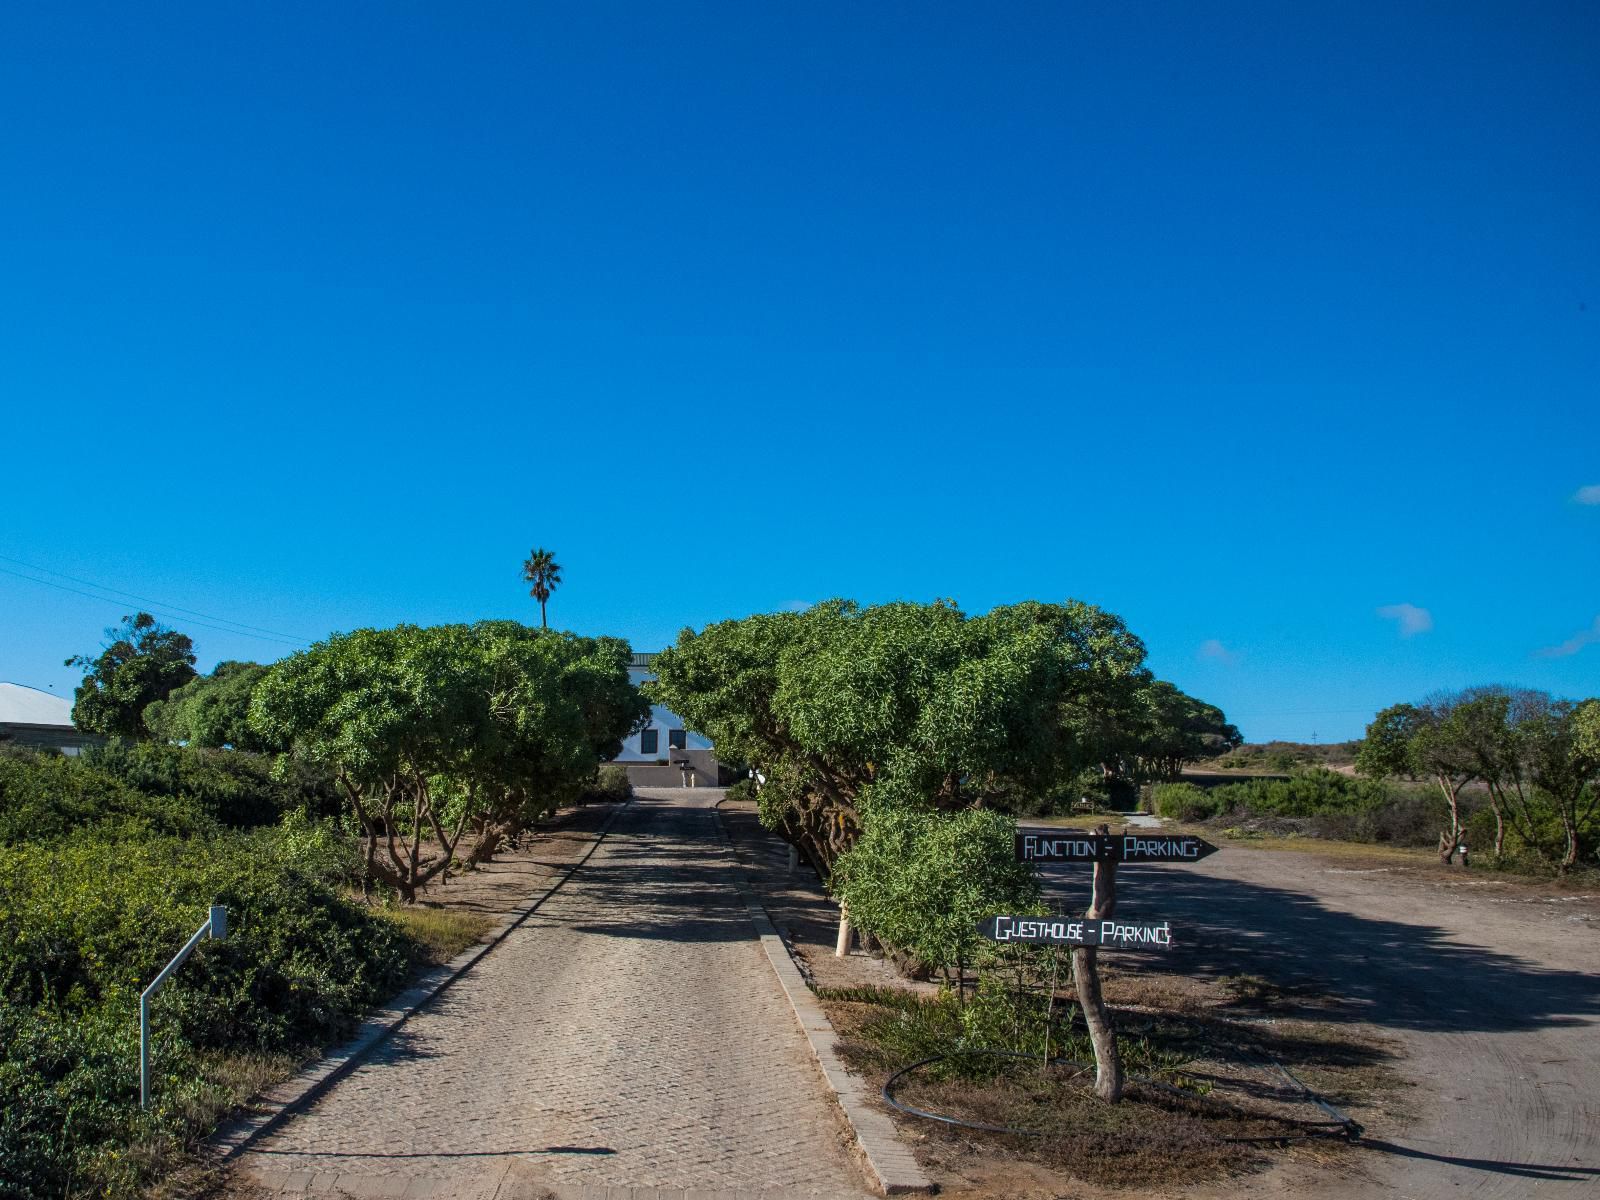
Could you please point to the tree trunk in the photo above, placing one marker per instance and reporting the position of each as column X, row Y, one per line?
column 1086, row 975
column 1452, row 796
column 1570, row 826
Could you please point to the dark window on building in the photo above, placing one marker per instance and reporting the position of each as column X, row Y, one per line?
column 649, row 741
column 678, row 739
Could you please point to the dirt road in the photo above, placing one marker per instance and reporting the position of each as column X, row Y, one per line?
column 1492, row 989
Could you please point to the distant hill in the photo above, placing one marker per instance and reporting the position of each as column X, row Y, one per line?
column 1284, row 756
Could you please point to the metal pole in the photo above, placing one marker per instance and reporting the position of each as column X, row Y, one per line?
column 144, row 1051
column 216, row 926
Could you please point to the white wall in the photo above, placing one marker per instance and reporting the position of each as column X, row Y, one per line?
column 661, row 720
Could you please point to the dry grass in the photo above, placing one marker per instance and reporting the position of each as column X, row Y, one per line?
column 230, row 1080
column 441, row 932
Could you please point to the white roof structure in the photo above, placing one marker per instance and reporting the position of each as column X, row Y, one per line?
column 21, row 705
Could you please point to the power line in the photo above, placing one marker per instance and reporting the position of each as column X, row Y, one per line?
column 188, row 620
column 277, row 633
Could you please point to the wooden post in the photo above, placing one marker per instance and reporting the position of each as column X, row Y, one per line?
column 842, row 948
column 794, row 858
column 1086, row 974
column 1050, row 1010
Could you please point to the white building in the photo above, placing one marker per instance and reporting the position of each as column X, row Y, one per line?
column 29, row 717
column 653, row 755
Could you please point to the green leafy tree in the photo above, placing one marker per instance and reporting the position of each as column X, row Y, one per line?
column 211, row 711
column 142, row 662
column 919, row 704
column 542, row 571
column 1387, row 748
column 1491, row 724
column 1563, row 763
column 432, row 731
column 1165, row 729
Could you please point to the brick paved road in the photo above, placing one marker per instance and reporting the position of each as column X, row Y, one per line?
column 629, row 1034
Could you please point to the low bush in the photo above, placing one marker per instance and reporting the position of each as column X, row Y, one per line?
column 1184, row 802
column 236, row 787
column 920, row 881
column 87, row 920
column 610, row 786
column 742, row 790
column 46, row 796
column 1313, row 793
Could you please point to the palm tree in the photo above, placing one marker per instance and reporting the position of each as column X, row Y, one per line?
column 544, row 572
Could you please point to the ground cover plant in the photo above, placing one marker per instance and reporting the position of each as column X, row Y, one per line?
column 1199, row 1105
column 87, row 920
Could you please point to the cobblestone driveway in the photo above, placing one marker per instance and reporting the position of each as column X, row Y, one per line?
column 629, row 1034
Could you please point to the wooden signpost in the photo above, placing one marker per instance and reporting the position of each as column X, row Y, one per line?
column 1097, row 929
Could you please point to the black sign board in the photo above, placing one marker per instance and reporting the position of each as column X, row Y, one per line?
column 1075, row 845
column 1076, row 931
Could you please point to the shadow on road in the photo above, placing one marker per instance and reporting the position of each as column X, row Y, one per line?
column 1543, row 1171
column 1399, row 974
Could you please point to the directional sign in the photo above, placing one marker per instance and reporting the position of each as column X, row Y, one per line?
column 1076, row 845
column 1157, row 848
column 1076, row 931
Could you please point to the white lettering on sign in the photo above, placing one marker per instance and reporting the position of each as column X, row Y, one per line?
column 1078, row 932
column 1113, row 933
column 1162, row 847
column 1036, row 846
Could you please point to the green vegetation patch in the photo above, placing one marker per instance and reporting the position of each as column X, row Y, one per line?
column 1192, row 1110
column 88, row 918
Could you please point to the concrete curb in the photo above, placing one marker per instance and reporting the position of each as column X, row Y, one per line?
column 892, row 1165
column 287, row 1098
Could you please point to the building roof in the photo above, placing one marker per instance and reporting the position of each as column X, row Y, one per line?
column 20, row 705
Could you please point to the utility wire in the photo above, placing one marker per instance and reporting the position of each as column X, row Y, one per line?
column 277, row 633
column 187, row 620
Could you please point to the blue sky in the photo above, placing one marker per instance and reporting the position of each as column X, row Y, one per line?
column 1244, row 321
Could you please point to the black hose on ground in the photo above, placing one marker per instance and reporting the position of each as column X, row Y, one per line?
column 1337, row 1126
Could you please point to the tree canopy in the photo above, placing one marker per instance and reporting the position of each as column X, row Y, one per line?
column 142, row 662
column 211, row 711
column 1165, row 729
column 842, row 707
column 1528, row 750
column 435, row 730
column 543, row 572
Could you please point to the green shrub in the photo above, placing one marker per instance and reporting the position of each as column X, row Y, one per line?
column 321, row 847
column 47, row 796
column 69, row 1094
column 610, row 786
column 1185, row 802
column 920, row 881
column 742, row 790
column 234, row 786
column 88, row 922
column 1314, row 793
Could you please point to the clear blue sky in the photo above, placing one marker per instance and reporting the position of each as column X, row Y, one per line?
column 1242, row 321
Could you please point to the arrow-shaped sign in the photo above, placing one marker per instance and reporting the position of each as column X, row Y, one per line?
column 1076, row 931
column 1076, row 845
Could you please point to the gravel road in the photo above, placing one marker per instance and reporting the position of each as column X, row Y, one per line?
column 1492, row 989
